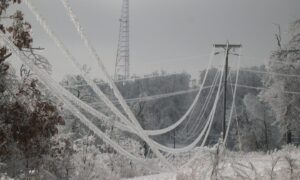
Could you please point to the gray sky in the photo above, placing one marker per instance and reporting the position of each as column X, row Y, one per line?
column 164, row 34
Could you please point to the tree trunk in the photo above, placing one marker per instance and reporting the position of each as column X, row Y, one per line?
column 266, row 131
column 288, row 136
column 288, row 127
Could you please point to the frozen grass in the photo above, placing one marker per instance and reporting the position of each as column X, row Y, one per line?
column 281, row 164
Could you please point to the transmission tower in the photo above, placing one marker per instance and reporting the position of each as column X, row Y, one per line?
column 122, row 71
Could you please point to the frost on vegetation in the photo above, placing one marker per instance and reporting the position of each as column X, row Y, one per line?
column 5, row 177
column 274, row 165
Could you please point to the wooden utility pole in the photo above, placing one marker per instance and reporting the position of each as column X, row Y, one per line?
column 227, row 47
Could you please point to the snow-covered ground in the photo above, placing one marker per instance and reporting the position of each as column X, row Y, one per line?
column 163, row 176
column 282, row 164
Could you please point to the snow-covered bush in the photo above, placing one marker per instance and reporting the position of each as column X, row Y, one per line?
column 285, row 60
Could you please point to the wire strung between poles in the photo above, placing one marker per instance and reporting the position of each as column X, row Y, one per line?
column 158, row 96
column 233, row 102
column 206, row 129
column 47, row 30
column 43, row 76
column 195, row 129
column 184, row 117
column 93, row 85
column 203, row 109
column 142, row 137
column 120, row 97
column 211, row 116
column 113, row 86
column 101, row 65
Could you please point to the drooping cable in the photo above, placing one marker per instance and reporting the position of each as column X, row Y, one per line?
column 158, row 96
column 59, row 43
column 184, row 131
column 233, row 99
column 262, row 88
column 234, row 103
column 93, row 52
column 195, row 129
column 271, row 73
column 214, row 107
column 90, row 82
column 205, row 129
column 201, row 114
column 184, row 117
column 211, row 116
column 121, row 101
column 266, row 60
column 127, row 80
column 67, row 53
column 45, row 80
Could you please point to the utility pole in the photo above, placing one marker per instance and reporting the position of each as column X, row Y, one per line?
column 227, row 47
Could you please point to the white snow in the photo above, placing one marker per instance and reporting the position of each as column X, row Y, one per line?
column 162, row 176
column 238, row 165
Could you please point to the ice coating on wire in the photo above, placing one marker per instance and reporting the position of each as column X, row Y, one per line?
column 45, row 80
column 203, row 110
column 91, row 83
column 233, row 100
column 173, row 126
column 111, row 82
column 206, row 128
column 113, row 86
column 67, row 53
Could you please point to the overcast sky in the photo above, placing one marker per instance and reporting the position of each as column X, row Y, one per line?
column 174, row 35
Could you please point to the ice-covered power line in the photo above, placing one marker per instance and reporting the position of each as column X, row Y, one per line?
column 197, row 128
column 204, row 133
column 270, row 73
column 166, row 95
column 268, row 60
column 47, row 82
column 111, row 83
column 284, row 62
column 156, row 97
column 233, row 98
column 264, row 88
column 184, row 117
column 140, row 132
column 153, row 76
column 211, row 117
column 69, row 56
column 116, row 92
column 131, row 119
column 98, row 91
column 176, row 59
column 150, row 76
column 204, row 107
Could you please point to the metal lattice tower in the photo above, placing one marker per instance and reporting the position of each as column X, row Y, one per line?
column 122, row 71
